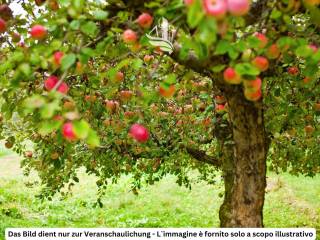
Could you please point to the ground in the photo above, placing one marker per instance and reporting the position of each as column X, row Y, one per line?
column 290, row 202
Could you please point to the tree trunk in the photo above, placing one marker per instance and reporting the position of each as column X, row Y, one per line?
column 245, row 169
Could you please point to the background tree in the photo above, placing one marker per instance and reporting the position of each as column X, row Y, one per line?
column 80, row 80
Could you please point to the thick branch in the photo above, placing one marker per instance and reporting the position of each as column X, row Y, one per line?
column 202, row 156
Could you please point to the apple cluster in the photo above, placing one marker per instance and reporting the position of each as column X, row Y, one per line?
column 219, row 8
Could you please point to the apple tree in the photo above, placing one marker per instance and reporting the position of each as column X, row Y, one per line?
column 218, row 85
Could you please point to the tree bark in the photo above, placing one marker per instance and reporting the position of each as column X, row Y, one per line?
column 244, row 170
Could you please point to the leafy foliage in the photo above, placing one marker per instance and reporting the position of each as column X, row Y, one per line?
column 114, row 85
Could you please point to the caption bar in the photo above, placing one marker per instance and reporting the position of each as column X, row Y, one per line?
column 160, row 233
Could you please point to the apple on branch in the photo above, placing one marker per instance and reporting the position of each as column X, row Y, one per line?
column 38, row 32
column 231, row 76
column 139, row 133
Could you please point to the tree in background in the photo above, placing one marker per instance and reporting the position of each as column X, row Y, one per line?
column 224, row 86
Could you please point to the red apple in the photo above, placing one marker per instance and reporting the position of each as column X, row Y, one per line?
column 63, row 88
column 51, row 82
column 215, row 8
column 119, row 76
column 238, row 7
column 261, row 63
column 38, row 32
column 231, row 76
column 273, row 51
column 148, row 58
column 253, row 96
column 252, row 85
column 139, row 133
column 126, row 95
column 68, row 131
column 129, row 36
column 129, row 114
column 167, row 92
column 112, row 105
column 3, row 25
column 294, row 71
column 145, row 20
column 314, row 48
column 262, row 38
column 57, row 56
column 220, row 107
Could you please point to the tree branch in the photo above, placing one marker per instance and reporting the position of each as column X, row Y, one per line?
column 202, row 156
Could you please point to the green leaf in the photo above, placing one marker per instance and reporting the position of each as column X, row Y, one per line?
column 36, row 101
column 137, row 64
column 17, row 56
column 64, row 3
column 47, row 127
column 223, row 47
column 233, row 53
column 5, row 66
column 75, row 25
column 246, row 69
column 48, row 110
column 285, row 42
column 25, row 69
column 311, row 70
column 304, row 51
column 275, row 14
column 88, row 51
column 81, row 129
column 253, row 42
column 78, row 4
column 207, row 31
column 90, row 29
column 195, row 14
column 218, row 68
column 56, row 44
column 315, row 15
column 93, row 139
column 67, row 61
column 100, row 14
column 123, row 63
column 171, row 79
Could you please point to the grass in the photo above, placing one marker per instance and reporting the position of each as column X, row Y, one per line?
column 290, row 202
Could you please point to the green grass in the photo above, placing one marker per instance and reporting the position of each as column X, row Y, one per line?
column 290, row 202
